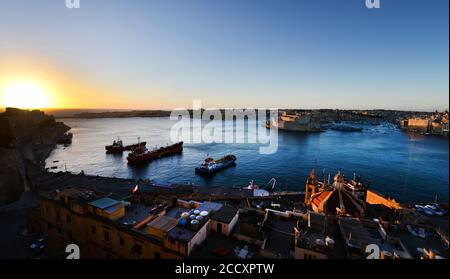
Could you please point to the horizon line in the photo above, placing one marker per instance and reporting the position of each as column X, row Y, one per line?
column 160, row 109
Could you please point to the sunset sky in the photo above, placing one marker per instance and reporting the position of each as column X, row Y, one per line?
column 162, row 54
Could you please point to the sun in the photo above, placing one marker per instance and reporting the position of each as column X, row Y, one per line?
column 25, row 95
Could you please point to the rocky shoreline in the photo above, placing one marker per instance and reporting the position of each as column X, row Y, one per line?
column 28, row 136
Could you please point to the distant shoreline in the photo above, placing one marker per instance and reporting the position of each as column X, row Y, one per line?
column 92, row 114
column 121, row 114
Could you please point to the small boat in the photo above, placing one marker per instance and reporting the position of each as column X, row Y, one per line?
column 210, row 165
column 118, row 147
column 141, row 154
column 424, row 210
column 435, row 209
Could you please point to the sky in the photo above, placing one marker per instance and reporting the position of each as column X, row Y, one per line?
column 163, row 54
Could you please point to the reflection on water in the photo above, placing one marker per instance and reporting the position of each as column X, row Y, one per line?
column 410, row 168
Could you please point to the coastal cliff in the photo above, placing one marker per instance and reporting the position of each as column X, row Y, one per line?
column 25, row 136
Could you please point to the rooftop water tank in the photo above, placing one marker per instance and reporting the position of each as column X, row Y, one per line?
column 320, row 242
column 329, row 242
column 196, row 212
column 182, row 222
column 185, row 215
column 194, row 225
column 192, row 217
column 204, row 214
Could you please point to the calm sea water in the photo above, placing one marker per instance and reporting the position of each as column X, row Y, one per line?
column 409, row 168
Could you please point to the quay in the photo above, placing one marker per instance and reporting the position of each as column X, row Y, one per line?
column 49, row 181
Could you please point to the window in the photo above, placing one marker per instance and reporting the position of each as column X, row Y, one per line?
column 58, row 215
column 138, row 249
column 93, row 229
column 70, row 236
column 49, row 225
column 59, row 230
column 157, row 255
column 106, row 235
column 121, row 241
column 69, row 219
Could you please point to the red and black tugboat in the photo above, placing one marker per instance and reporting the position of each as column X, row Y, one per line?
column 142, row 154
column 118, row 147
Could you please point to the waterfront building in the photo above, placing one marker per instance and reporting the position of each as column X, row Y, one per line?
column 297, row 122
column 108, row 227
column 435, row 123
column 339, row 221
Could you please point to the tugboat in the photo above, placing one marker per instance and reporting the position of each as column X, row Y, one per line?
column 118, row 147
column 210, row 165
column 141, row 154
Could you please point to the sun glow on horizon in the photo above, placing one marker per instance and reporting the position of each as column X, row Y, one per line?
column 25, row 94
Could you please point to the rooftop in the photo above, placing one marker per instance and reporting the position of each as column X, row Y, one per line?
column 136, row 213
column 104, row 203
column 225, row 214
column 218, row 246
column 182, row 234
column 281, row 235
column 210, row 206
column 354, row 233
column 163, row 223
column 314, row 233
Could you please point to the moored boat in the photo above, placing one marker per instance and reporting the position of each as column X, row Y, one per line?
column 118, row 146
column 210, row 165
column 142, row 154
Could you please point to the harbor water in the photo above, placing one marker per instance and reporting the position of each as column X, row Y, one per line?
column 410, row 168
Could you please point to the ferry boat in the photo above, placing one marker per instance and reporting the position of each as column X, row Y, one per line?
column 210, row 165
column 142, row 154
column 118, row 146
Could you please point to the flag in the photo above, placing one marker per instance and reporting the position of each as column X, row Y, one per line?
column 135, row 189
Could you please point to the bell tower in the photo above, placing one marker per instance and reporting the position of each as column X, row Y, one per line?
column 311, row 185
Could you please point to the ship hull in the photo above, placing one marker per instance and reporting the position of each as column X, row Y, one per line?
column 156, row 154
